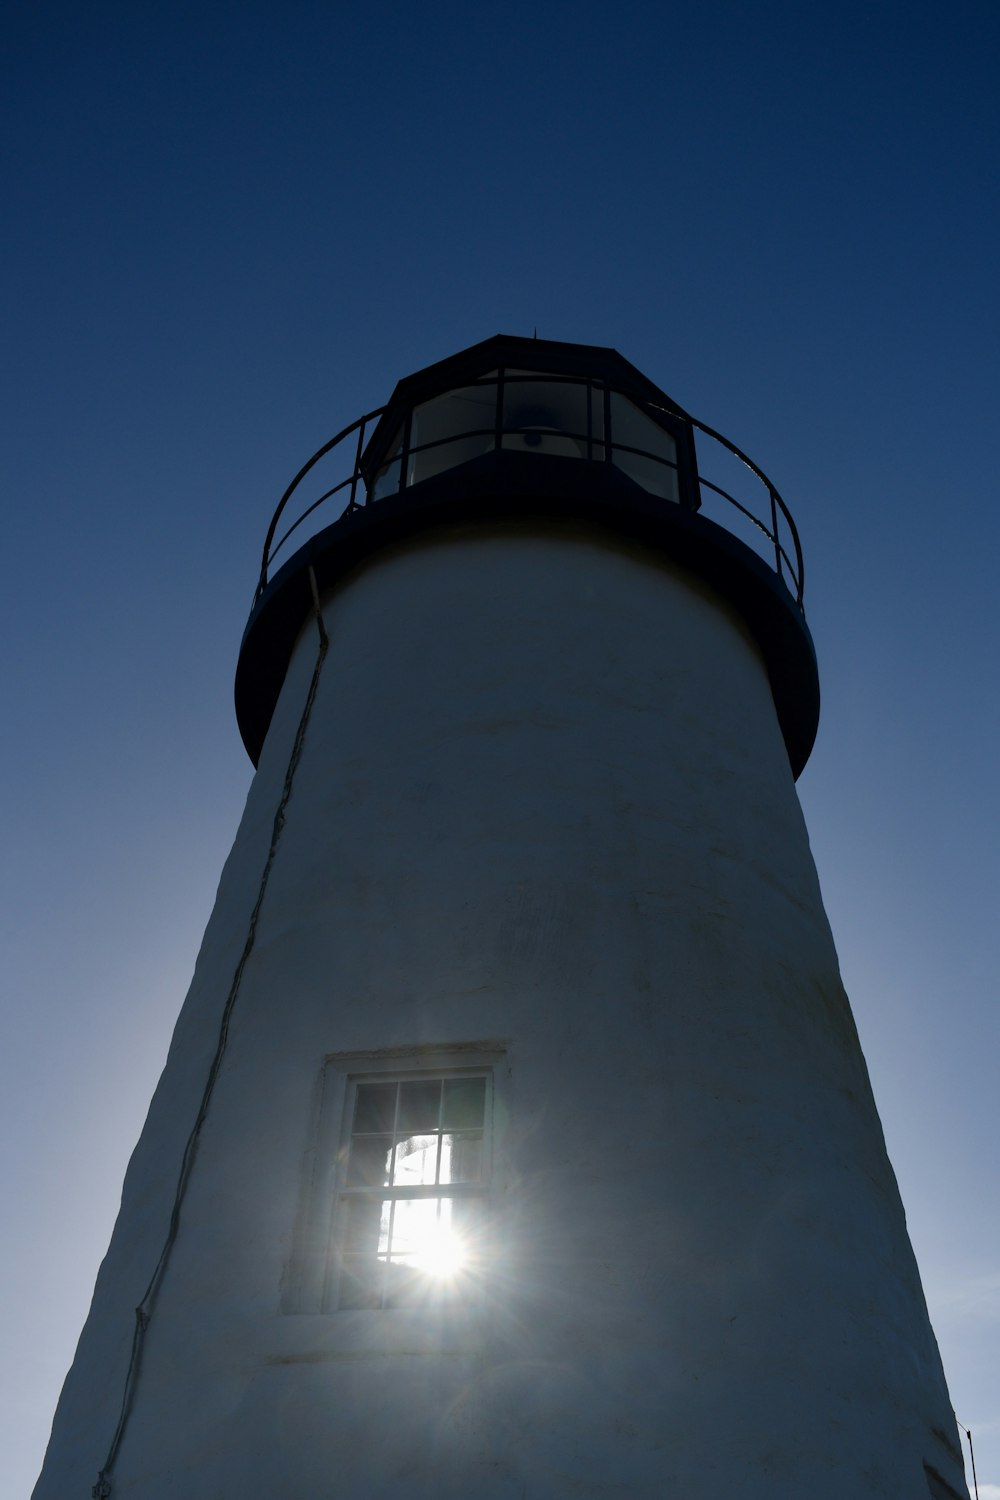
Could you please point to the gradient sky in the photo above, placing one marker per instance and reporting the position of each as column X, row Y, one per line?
column 230, row 229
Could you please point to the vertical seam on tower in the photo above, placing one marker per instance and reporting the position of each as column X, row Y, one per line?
column 143, row 1312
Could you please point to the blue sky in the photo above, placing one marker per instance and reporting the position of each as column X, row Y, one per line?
column 231, row 228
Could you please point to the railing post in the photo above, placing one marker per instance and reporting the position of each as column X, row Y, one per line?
column 357, row 463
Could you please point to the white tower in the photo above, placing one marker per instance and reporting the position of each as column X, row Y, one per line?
column 515, row 1140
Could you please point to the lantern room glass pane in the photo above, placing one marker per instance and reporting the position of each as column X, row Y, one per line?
column 652, row 475
column 632, row 427
column 446, row 456
column 550, row 416
column 448, row 424
column 469, row 409
column 386, row 479
column 537, row 407
column 655, row 467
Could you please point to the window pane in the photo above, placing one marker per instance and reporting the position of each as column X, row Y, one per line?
column 387, row 480
column 462, row 1157
column 540, row 441
column 360, row 1283
column 463, row 1104
column 370, row 1160
column 363, row 1229
column 470, row 409
column 537, row 407
column 416, row 1161
column 375, row 1107
column 631, row 426
column 414, row 1229
column 655, row 477
column 419, row 1105
column 447, row 456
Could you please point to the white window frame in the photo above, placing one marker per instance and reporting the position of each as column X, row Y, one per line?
column 343, row 1292
column 312, row 1276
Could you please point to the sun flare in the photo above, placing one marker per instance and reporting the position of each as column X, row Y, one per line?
column 440, row 1253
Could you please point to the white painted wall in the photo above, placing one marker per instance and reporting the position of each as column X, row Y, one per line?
column 544, row 798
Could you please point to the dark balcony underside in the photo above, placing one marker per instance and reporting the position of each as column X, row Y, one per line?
column 507, row 486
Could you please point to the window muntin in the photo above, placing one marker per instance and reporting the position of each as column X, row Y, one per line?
column 411, row 1208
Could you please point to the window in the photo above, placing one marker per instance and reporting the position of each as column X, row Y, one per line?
column 552, row 416
column 450, row 430
column 643, row 450
column 409, row 1218
column 531, row 411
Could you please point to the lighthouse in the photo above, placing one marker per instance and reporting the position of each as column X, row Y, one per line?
column 515, row 1140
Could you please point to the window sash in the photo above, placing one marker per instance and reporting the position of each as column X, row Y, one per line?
column 368, row 1266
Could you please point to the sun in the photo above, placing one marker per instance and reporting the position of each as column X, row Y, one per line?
column 440, row 1253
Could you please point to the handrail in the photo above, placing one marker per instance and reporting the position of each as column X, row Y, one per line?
column 797, row 571
column 357, row 426
column 778, row 513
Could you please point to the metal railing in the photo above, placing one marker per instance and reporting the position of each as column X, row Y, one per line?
column 789, row 568
column 770, row 529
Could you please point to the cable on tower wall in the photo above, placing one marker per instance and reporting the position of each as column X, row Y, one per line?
column 143, row 1312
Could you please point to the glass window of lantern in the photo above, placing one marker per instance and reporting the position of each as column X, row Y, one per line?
column 549, row 415
column 410, row 1217
column 654, row 467
column 458, row 426
column 387, row 477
